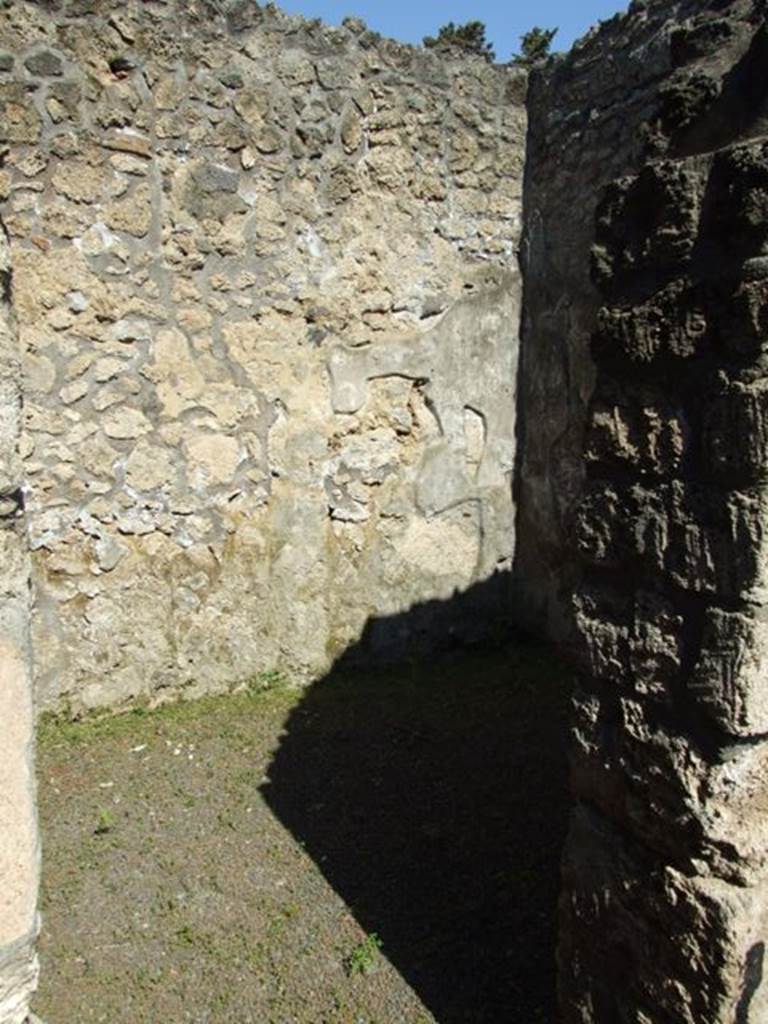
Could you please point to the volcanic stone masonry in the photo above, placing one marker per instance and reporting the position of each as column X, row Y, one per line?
column 263, row 278
column 646, row 320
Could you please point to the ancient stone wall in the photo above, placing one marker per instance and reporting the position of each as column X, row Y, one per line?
column 267, row 303
column 591, row 114
column 266, row 287
column 646, row 322
column 18, row 829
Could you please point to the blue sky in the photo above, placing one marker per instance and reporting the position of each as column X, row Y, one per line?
column 505, row 21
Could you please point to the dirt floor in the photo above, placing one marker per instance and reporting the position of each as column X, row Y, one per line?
column 381, row 848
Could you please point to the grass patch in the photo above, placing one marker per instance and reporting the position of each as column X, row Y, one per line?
column 362, row 959
column 135, row 721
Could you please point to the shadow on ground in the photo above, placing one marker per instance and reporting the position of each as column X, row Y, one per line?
column 433, row 797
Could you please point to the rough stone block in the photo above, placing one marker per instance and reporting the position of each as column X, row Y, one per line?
column 44, row 63
column 640, row 774
column 735, row 432
column 737, row 213
column 672, row 322
column 603, row 521
column 699, row 37
column 642, row 941
column 685, row 100
column 630, row 641
column 646, row 223
column 730, row 679
column 602, row 619
column 634, row 759
column 743, row 313
column 702, row 539
column 637, row 431
column 21, row 122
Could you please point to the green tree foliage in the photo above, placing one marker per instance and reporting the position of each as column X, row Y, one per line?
column 467, row 38
column 534, row 46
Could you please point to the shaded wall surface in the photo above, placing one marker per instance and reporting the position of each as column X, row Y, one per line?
column 267, row 297
column 596, row 114
column 645, row 327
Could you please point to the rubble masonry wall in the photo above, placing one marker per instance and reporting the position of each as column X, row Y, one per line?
column 267, row 294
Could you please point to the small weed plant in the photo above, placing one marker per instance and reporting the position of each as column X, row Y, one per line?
column 271, row 679
column 362, row 959
column 105, row 823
